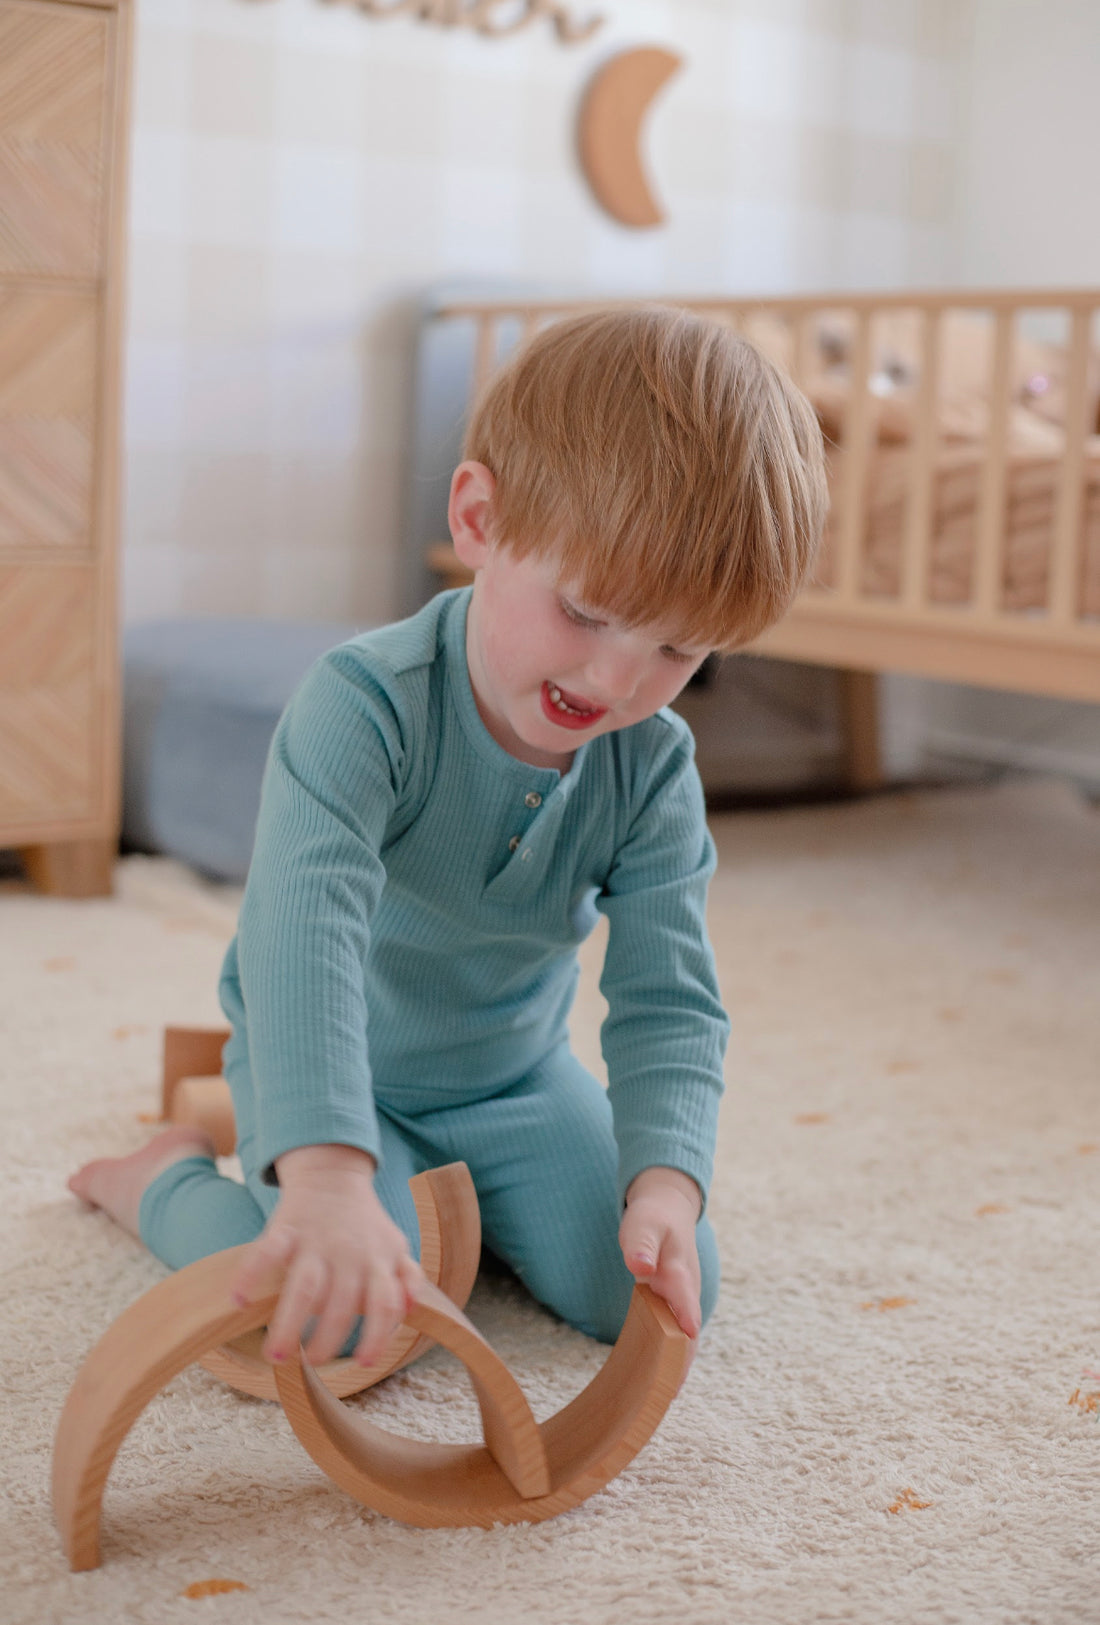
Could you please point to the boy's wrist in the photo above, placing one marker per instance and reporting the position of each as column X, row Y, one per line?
column 306, row 1163
column 662, row 1181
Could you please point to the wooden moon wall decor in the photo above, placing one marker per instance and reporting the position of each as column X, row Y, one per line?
column 611, row 130
column 523, row 1472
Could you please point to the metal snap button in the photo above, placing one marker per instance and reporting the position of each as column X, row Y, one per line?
column 513, row 843
column 532, row 799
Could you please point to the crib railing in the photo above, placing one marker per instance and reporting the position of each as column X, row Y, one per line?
column 849, row 616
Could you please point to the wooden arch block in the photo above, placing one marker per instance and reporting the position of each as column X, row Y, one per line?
column 193, row 1091
column 523, row 1472
column 450, row 1486
column 450, row 1250
column 190, row 1316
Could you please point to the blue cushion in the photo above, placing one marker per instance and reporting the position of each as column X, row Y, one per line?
column 201, row 700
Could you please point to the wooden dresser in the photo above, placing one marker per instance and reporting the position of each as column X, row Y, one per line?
column 63, row 144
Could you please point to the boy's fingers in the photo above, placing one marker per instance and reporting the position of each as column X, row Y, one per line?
column 385, row 1311
column 641, row 1246
column 343, row 1303
column 681, row 1294
column 302, row 1296
column 410, row 1275
column 267, row 1252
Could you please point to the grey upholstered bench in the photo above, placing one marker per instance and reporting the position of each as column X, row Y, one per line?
column 201, row 700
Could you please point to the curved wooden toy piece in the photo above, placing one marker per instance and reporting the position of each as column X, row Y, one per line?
column 166, row 1329
column 446, row 1207
column 524, row 1472
column 189, row 1314
column 437, row 1486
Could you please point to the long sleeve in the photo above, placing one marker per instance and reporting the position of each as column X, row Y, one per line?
column 665, row 1033
column 333, row 779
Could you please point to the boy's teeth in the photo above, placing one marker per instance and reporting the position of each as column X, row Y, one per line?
column 555, row 695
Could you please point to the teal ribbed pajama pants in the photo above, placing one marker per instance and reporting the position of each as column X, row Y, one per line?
column 543, row 1160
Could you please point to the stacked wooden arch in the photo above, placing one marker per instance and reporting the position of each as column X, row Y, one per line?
column 524, row 1471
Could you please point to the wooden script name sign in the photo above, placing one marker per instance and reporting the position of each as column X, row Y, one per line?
column 494, row 18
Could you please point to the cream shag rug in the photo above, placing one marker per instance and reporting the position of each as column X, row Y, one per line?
column 895, row 1414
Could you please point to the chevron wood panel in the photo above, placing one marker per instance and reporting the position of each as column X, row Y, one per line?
column 53, row 81
column 47, row 406
column 49, row 736
column 47, row 620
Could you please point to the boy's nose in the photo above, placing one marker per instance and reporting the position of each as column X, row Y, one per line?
column 613, row 678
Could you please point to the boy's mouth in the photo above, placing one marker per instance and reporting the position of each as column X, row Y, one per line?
column 569, row 710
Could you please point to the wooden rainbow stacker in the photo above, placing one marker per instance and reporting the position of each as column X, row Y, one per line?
column 522, row 1472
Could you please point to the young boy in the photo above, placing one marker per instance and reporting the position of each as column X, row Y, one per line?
column 448, row 804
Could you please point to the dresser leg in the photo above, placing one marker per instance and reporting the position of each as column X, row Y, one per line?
column 71, row 868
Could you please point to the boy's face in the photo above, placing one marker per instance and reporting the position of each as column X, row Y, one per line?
column 550, row 671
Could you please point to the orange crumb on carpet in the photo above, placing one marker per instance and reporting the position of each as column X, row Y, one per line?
column 990, row 1207
column 952, row 1012
column 213, row 1588
column 908, row 1498
column 149, row 1117
column 1088, row 1148
column 887, row 1303
column 894, row 1067
column 129, row 1032
column 811, row 1117
column 62, row 962
column 1088, row 1404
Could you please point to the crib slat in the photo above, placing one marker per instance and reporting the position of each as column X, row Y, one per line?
column 918, row 528
column 852, row 489
column 1062, row 595
column 989, row 528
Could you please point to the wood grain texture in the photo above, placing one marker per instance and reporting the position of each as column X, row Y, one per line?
column 523, row 1472
column 53, row 138
column 64, row 85
column 435, row 1486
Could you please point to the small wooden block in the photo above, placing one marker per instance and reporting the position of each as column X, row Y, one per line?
column 190, row 1052
column 207, row 1104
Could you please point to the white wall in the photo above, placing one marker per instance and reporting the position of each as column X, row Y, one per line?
column 1026, row 205
column 301, row 171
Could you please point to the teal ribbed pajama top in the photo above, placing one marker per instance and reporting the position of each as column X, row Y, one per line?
column 405, row 962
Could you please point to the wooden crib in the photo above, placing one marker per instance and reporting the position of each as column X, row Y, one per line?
column 963, row 434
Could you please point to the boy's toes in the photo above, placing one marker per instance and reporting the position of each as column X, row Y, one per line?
column 81, row 1182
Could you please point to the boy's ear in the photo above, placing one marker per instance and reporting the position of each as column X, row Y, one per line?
column 468, row 512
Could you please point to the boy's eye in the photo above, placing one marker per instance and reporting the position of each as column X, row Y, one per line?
column 684, row 657
column 577, row 616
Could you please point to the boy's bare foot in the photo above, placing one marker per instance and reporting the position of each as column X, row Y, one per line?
column 117, row 1184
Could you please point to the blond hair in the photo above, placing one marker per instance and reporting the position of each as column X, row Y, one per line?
column 680, row 474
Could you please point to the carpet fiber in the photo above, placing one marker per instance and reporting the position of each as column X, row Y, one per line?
column 895, row 1413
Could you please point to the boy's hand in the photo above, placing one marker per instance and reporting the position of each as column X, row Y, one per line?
column 657, row 1236
column 343, row 1255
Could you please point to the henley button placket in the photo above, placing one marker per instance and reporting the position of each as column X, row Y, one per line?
column 532, row 799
